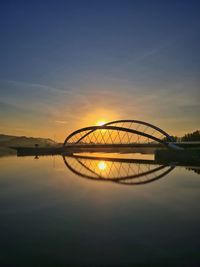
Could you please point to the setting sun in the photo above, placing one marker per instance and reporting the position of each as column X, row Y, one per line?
column 101, row 122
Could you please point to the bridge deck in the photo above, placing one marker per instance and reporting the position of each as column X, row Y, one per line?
column 117, row 148
column 124, row 148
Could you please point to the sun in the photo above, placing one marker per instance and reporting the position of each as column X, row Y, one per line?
column 101, row 122
column 102, row 165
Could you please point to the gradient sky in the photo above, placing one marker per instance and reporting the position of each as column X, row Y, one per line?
column 68, row 64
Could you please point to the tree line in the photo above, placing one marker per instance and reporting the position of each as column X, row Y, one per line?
column 194, row 136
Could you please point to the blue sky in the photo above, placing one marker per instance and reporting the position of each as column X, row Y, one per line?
column 67, row 64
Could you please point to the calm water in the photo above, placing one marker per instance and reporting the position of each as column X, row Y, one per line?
column 51, row 216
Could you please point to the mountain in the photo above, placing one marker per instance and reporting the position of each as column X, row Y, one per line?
column 10, row 140
column 7, row 141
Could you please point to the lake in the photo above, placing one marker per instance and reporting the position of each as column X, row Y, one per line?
column 85, row 212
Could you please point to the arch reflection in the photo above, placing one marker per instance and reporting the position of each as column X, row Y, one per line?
column 117, row 170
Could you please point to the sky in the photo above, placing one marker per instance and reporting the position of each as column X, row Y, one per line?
column 68, row 64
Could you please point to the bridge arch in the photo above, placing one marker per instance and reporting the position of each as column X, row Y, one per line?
column 147, row 127
column 119, row 132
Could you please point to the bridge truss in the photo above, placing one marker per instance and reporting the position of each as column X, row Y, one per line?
column 119, row 132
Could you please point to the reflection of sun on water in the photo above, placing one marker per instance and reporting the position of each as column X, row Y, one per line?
column 102, row 165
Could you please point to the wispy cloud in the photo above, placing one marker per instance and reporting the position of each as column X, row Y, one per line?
column 60, row 122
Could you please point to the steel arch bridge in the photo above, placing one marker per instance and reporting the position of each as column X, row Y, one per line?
column 120, row 132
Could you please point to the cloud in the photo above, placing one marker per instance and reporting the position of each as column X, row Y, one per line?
column 60, row 122
column 52, row 110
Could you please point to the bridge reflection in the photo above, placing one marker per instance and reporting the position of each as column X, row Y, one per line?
column 118, row 170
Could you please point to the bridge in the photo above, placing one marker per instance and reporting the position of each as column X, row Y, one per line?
column 122, row 136
column 119, row 136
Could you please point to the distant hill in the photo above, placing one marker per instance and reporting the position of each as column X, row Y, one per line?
column 7, row 141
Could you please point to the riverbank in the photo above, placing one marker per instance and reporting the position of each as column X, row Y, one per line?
column 184, row 156
column 5, row 151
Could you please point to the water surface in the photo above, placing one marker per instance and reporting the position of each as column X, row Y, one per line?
column 52, row 216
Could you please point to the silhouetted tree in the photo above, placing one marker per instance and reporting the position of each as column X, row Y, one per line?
column 195, row 136
column 175, row 138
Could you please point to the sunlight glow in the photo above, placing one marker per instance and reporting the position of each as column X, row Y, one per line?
column 101, row 122
column 102, row 165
